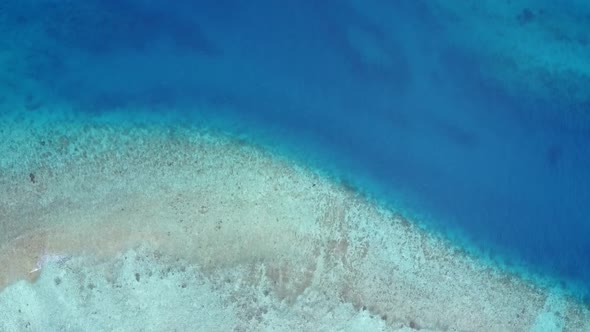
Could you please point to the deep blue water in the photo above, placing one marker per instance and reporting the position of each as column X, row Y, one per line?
column 511, row 174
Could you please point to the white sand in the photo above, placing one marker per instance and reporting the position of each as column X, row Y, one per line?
column 145, row 228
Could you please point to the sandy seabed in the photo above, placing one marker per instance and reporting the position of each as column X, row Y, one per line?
column 111, row 225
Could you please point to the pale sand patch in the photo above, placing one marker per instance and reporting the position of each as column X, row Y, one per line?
column 233, row 212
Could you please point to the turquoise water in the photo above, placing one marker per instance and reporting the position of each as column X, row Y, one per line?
column 392, row 96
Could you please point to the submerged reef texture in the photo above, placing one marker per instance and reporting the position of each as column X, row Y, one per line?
column 294, row 166
column 189, row 229
column 534, row 48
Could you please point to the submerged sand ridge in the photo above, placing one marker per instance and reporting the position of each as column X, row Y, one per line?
column 121, row 212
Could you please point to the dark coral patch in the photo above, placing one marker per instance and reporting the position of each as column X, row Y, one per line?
column 525, row 16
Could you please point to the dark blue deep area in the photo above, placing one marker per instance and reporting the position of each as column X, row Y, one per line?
column 511, row 175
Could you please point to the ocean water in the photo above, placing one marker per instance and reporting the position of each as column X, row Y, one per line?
column 474, row 121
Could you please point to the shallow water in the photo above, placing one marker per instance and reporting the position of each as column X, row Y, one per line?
column 397, row 98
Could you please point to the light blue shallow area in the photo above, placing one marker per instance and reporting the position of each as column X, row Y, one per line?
column 376, row 93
